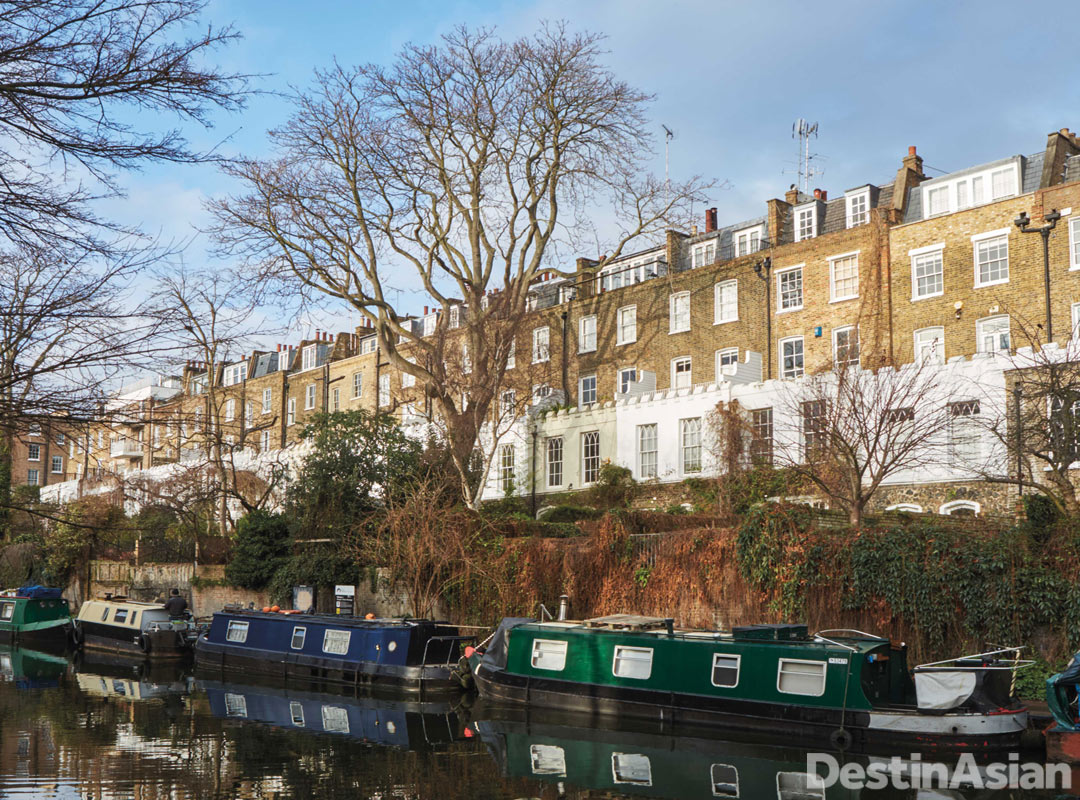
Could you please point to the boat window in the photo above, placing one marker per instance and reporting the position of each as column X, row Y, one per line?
column 549, row 654
column 725, row 669
column 298, row 637
column 296, row 711
column 237, row 631
column 795, row 676
column 631, row 768
column 120, row 617
column 725, row 780
column 7, row 610
column 632, row 662
column 134, row 617
column 105, row 614
column 119, row 688
column 799, row 786
column 548, row 759
column 336, row 642
column 335, row 719
column 235, row 705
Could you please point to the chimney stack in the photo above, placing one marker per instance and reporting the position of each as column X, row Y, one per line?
column 710, row 220
column 913, row 161
column 791, row 197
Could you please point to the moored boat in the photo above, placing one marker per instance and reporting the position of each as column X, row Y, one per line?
column 411, row 654
column 128, row 626
column 31, row 669
column 846, row 688
column 1062, row 692
column 35, row 616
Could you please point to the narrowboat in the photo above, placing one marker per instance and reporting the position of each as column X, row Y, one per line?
column 846, row 688
column 35, row 616
column 1063, row 735
column 404, row 724
column 127, row 626
column 410, row 654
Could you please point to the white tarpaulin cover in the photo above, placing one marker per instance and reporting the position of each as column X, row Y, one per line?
column 943, row 690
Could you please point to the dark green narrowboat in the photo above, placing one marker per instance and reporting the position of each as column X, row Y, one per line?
column 845, row 688
column 34, row 616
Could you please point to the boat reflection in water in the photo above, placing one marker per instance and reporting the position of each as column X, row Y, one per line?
column 132, row 677
column 387, row 720
column 575, row 752
column 31, row 669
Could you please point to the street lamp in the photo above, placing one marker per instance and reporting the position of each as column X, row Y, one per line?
column 762, row 268
column 1023, row 222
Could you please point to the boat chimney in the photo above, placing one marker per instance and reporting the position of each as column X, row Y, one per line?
column 669, row 623
column 564, row 606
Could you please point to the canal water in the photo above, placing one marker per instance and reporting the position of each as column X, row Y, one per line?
column 102, row 728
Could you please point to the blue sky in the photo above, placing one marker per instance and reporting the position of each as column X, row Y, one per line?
column 966, row 82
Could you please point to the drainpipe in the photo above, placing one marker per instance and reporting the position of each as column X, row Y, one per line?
column 565, row 365
column 1023, row 222
column 1017, row 394
column 532, row 470
column 762, row 268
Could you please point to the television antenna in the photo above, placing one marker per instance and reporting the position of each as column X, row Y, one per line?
column 805, row 131
column 669, row 134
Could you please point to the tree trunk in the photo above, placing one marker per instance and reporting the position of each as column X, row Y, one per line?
column 7, row 446
column 855, row 515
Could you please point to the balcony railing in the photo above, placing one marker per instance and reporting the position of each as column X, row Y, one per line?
column 126, row 448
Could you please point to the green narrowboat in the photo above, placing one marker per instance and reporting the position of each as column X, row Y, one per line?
column 36, row 617
column 846, row 688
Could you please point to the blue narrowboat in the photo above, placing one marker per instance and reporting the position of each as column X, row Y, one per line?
column 412, row 654
column 404, row 724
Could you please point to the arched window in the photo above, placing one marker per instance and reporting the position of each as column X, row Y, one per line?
column 961, row 508
column 911, row 508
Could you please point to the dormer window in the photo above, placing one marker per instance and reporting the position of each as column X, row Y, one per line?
column 308, row 357
column 806, row 223
column 945, row 195
column 747, row 241
column 703, row 254
column 858, row 208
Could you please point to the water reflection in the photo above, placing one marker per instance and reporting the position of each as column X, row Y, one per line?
column 103, row 727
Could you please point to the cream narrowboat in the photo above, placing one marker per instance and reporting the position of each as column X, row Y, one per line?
column 128, row 626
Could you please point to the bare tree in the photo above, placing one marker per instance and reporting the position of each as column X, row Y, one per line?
column 459, row 169
column 71, row 74
column 1039, row 426
column 210, row 319
column 851, row 429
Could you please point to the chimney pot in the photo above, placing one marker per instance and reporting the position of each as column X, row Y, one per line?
column 817, row 194
column 425, row 311
column 693, row 230
column 710, row 220
column 911, row 150
column 824, row 195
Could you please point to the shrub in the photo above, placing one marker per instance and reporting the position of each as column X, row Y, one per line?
column 615, row 487
column 262, row 547
column 568, row 513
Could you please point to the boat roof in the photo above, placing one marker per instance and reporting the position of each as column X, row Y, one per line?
column 123, row 601
column 656, row 626
column 298, row 617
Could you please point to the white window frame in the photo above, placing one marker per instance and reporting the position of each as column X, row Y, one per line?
column 547, row 759
column 541, row 345
column 309, row 357
column 937, row 249
column 587, row 334
column 780, row 293
column 553, row 463
column 33, row 477
column 335, row 403
column 309, row 397
column 720, row 355
column 801, row 370
column 824, row 675
column 326, row 641
column 581, row 390
column 239, row 627
column 57, row 470
column 747, row 241
column 230, row 410
column 511, row 354
column 620, row 339
column 584, row 458
column 811, row 209
column 559, row 657
column 1074, row 242
column 738, row 670
column 836, row 347
column 910, row 508
column 689, row 371
column 33, row 452
column 299, row 629
column 506, row 476
column 290, row 416
column 1075, row 308
column 264, row 445
column 918, row 351
column 720, row 305
column 703, row 254
column 686, row 450
column 617, row 769
column 960, row 505
column 357, row 385
column 619, row 379
column 619, row 650
column 654, row 441
column 833, row 261
column 854, row 219
column 982, row 238
column 267, row 400
column 383, row 398
column 674, row 321
column 981, row 333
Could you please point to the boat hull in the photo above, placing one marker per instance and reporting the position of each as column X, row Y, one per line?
column 224, row 659
column 153, row 645
column 867, row 730
column 50, row 637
